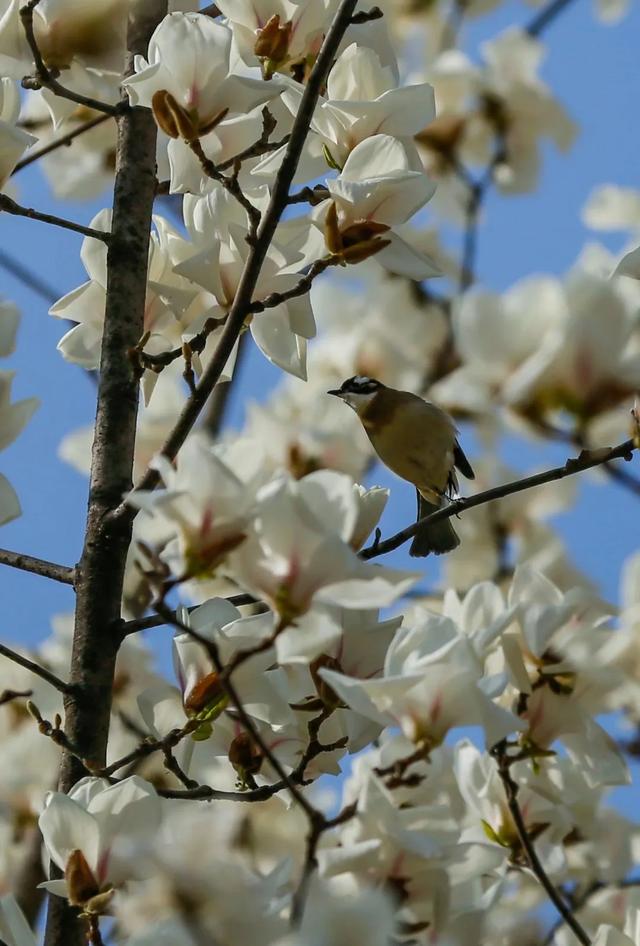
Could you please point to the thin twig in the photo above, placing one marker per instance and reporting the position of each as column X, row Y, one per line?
column 94, row 936
column 258, row 252
column 11, row 207
column 230, row 183
column 262, row 146
column 61, row 142
column 35, row 668
column 585, row 461
column 247, row 722
column 44, row 76
column 316, row 829
column 147, row 748
column 30, row 279
column 477, row 191
column 546, row 16
column 511, row 789
column 301, row 288
column 310, row 195
column 38, row 566
column 157, row 620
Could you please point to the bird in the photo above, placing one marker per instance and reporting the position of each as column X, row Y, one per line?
column 417, row 440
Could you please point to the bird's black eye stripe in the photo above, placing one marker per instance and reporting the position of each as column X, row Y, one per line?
column 358, row 385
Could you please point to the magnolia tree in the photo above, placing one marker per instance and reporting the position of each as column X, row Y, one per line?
column 268, row 162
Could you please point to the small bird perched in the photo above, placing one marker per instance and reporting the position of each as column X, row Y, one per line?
column 416, row 440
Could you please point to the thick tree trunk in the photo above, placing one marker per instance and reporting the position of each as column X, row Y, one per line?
column 101, row 568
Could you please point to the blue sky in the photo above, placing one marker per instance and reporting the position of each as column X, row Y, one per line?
column 594, row 71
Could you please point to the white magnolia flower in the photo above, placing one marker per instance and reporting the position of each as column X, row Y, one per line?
column 187, row 82
column 377, row 189
column 432, row 682
column 172, row 308
column 299, row 549
column 488, row 812
column 81, row 831
column 363, row 99
column 218, row 227
column 203, row 508
column 340, row 918
column 280, row 35
column 93, row 34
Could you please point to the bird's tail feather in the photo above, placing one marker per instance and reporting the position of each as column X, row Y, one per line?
column 438, row 538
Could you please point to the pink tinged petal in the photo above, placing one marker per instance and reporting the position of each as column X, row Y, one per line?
column 67, row 827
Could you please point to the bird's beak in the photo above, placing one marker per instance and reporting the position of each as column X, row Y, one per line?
column 336, row 393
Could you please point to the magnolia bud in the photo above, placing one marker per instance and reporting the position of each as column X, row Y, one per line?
column 81, row 884
column 244, row 755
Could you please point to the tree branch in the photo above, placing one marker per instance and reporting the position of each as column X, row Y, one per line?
column 35, row 668
column 30, row 279
column 61, row 142
column 10, row 207
column 156, row 620
column 545, row 17
column 511, row 791
column 258, row 252
column 38, row 566
column 585, row 461
column 102, row 565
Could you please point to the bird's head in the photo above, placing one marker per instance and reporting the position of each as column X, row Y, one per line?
column 358, row 392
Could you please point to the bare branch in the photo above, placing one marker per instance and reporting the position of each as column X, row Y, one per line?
column 38, row 566
column 477, row 191
column 546, row 16
column 247, row 722
column 310, row 195
column 230, row 183
column 61, row 142
column 262, row 146
column 301, row 288
column 585, row 461
column 35, row 668
column 316, row 830
column 29, row 278
column 156, row 620
column 511, row 789
column 271, row 218
column 10, row 207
